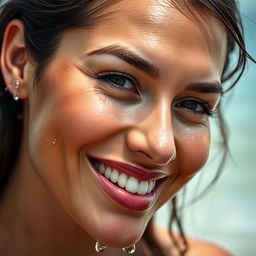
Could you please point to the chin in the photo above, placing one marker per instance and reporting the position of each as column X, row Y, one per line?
column 118, row 235
column 120, row 241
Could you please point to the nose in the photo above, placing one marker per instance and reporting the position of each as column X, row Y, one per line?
column 152, row 139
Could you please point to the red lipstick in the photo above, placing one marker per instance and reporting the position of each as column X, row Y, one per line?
column 131, row 170
column 124, row 198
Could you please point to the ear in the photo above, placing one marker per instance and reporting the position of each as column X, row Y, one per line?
column 14, row 58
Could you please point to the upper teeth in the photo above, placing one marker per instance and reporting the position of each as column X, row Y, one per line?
column 130, row 184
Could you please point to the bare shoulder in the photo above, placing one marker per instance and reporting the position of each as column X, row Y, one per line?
column 199, row 247
column 196, row 247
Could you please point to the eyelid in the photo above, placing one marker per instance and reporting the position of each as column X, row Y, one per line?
column 131, row 78
column 99, row 74
column 208, row 109
column 204, row 102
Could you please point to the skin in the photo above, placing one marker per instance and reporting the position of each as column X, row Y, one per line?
column 53, row 201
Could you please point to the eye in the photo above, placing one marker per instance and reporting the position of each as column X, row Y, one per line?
column 195, row 106
column 118, row 80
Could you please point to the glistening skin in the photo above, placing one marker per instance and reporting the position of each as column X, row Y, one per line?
column 130, row 97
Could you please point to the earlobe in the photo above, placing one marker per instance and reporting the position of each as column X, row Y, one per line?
column 14, row 59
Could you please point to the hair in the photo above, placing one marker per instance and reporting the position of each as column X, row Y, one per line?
column 45, row 22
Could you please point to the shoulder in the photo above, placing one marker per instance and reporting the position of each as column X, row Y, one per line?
column 199, row 247
column 196, row 247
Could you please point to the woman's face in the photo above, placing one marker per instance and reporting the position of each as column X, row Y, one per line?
column 129, row 99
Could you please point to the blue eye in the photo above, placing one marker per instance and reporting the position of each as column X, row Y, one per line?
column 119, row 80
column 196, row 107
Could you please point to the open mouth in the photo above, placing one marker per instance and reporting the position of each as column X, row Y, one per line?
column 129, row 186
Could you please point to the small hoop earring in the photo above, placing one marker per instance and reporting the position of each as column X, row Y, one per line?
column 130, row 250
column 16, row 87
column 99, row 247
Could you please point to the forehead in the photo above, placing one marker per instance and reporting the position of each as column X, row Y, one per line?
column 161, row 33
column 154, row 22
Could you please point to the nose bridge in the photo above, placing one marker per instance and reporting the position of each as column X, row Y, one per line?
column 159, row 129
column 158, row 135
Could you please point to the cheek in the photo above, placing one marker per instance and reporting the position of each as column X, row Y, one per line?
column 192, row 149
column 192, row 146
column 74, row 122
column 82, row 123
column 69, row 109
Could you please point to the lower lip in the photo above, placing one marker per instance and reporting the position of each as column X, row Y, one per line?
column 124, row 198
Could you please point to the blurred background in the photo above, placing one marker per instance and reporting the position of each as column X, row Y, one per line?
column 226, row 214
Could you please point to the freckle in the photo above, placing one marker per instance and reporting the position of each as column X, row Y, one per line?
column 54, row 141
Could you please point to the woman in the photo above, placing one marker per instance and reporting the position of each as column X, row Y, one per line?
column 105, row 110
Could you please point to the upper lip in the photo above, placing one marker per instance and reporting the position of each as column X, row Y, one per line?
column 132, row 170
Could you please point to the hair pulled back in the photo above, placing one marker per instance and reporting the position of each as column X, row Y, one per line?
column 45, row 21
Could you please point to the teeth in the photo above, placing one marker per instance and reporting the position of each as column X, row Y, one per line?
column 143, row 188
column 102, row 168
column 130, row 184
column 108, row 172
column 122, row 180
column 114, row 176
column 151, row 185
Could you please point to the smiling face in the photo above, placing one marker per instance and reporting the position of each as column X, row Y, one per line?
column 129, row 99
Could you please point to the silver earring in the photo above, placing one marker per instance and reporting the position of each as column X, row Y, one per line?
column 16, row 87
column 99, row 247
column 130, row 250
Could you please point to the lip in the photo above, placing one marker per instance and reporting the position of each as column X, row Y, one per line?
column 131, row 170
column 122, row 197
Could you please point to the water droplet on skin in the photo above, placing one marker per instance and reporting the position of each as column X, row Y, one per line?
column 54, row 141
column 130, row 250
column 100, row 247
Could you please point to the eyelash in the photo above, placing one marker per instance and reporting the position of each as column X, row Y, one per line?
column 207, row 110
column 106, row 75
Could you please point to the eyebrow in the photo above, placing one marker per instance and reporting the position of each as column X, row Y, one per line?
column 150, row 69
column 129, row 57
column 211, row 87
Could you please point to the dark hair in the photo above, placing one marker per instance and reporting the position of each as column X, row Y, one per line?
column 45, row 21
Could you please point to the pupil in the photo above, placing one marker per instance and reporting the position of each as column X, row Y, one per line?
column 191, row 105
column 117, row 80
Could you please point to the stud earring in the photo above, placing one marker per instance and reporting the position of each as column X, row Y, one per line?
column 16, row 87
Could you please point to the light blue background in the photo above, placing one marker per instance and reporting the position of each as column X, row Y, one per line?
column 227, row 214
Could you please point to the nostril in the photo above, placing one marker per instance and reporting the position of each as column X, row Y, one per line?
column 156, row 159
column 143, row 155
